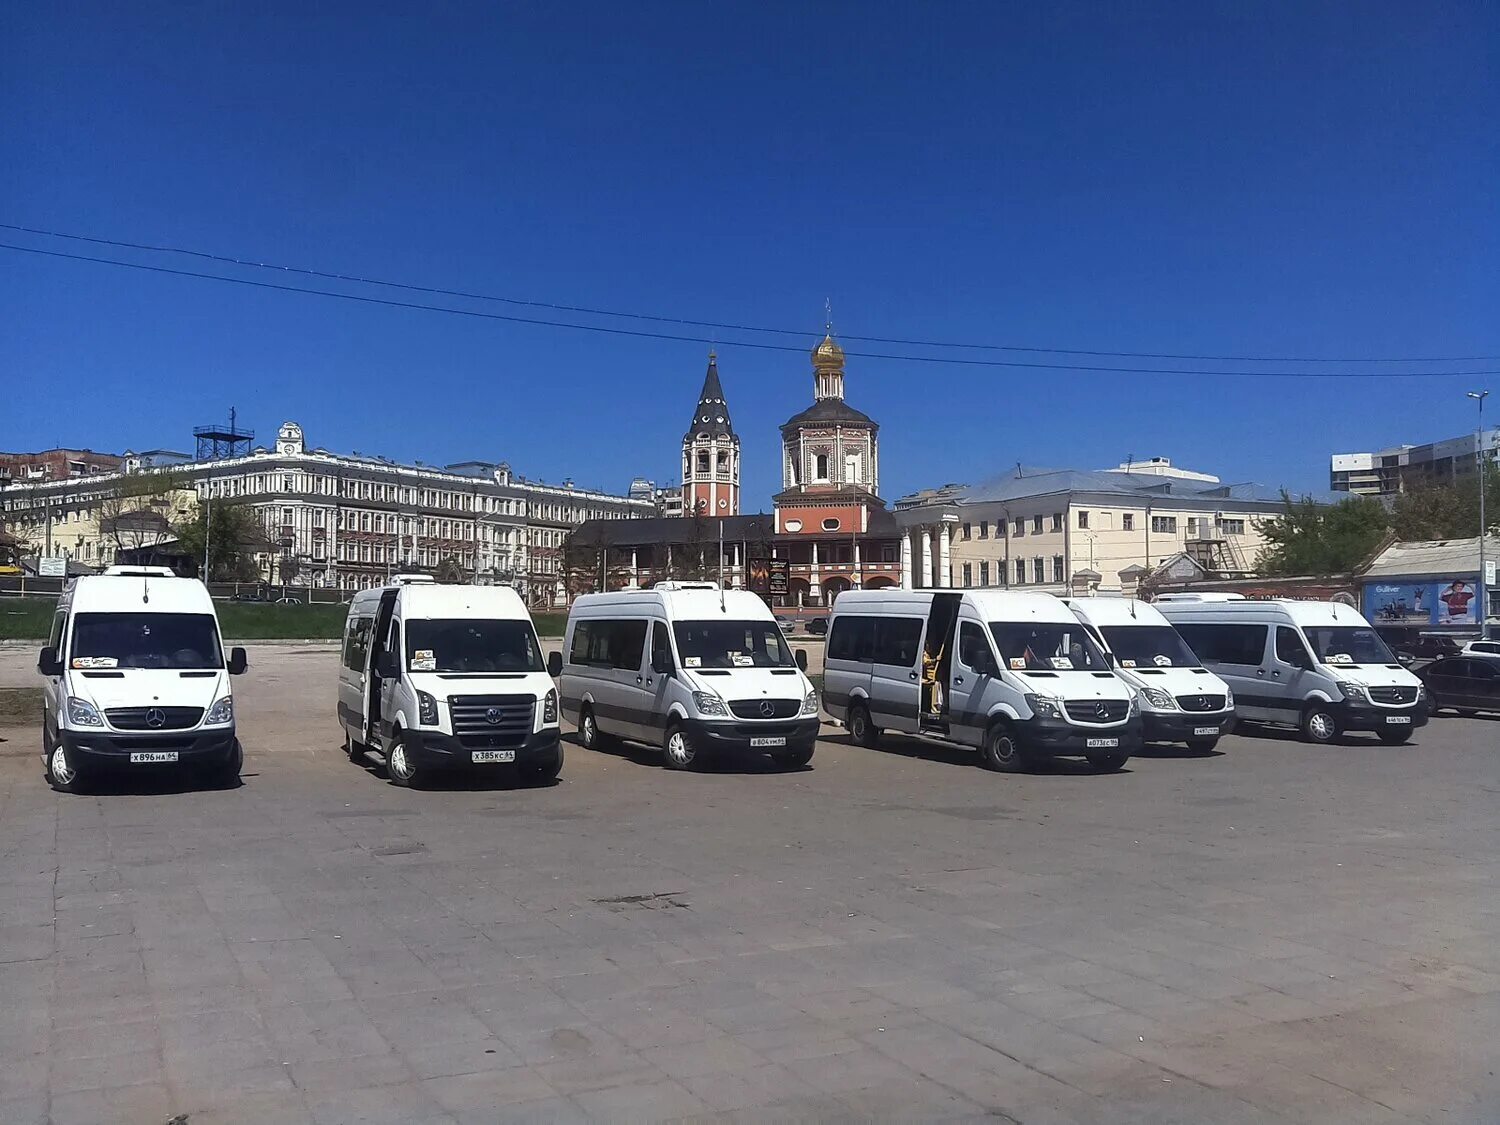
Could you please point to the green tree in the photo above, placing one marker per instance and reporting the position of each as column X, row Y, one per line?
column 450, row 572
column 1447, row 509
column 1308, row 538
column 235, row 536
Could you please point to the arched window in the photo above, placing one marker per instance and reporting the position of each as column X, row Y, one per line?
column 851, row 468
column 703, row 462
column 820, row 467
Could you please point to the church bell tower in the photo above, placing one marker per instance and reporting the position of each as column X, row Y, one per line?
column 711, row 454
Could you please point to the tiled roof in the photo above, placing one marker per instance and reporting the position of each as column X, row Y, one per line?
column 1023, row 482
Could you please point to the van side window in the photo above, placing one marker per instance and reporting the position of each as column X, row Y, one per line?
column 54, row 638
column 897, row 640
column 357, row 643
column 853, row 638
column 1290, row 649
column 1225, row 644
column 608, row 644
column 974, row 648
column 661, row 644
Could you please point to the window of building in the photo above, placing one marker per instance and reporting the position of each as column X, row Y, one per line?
column 1083, row 519
column 1057, row 518
column 1164, row 525
column 1020, row 529
column 966, row 531
column 1127, row 522
column 851, row 468
column 984, row 529
column 1036, row 525
column 820, row 467
column 968, row 574
column 1192, row 527
column 1232, row 527
column 1039, row 569
column 984, row 574
column 1057, row 569
column 1020, row 572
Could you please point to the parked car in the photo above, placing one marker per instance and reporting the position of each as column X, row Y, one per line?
column 817, row 626
column 288, row 601
column 1464, row 683
column 1426, row 646
column 1482, row 648
column 248, row 596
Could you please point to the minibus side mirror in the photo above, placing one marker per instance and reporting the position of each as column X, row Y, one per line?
column 801, row 658
column 554, row 664
column 49, row 663
column 386, row 666
column 238, row 662
column 661, row 662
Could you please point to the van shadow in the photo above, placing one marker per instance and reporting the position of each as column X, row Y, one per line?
column 1168, row 751
column 502, row 779
column 157, row 783
column 713, row 762
column 1291, row 734
column 918, row 750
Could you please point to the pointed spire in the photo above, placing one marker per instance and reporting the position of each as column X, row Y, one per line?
column 712, row 415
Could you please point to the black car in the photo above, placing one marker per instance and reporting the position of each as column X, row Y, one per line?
column 1464, row 683
column 818, row 626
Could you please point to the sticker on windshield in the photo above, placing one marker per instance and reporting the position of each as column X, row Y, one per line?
column 692, row 661
column 1338, row 658
column 740, row 660
column 1062, row 663
column 1162, row 661
column 1127, row 664
column 95, row 662
column 1018, row 664
column 423, row 660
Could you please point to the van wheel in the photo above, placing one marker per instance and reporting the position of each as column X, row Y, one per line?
column 1002, row 750
column 589, row 734
column 678, row 751
column 1107, row 763
column 1319, row 725
column 861, row 730
column 398, row 764
column 62, row 773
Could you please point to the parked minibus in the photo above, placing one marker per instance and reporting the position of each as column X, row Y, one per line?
column 1316, row 666
column 1181, row 701
column 690, row 668
column 437, row 677
column 1013, row 674
column 136, row 678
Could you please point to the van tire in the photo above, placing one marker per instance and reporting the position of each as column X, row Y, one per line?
column 590, row 737
column 862, row 731
column 1319, row 725
column 677, row 750
column 793, row 759
column 1002, row 750
column 402, row 771
column 62, row 774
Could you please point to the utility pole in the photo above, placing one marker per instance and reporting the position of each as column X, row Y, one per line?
column 1482, row 463
column 208, row 524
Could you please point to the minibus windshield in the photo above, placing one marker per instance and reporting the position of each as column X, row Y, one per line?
column 1347, row 644
column 146, row 640
column 731, row 644
column 1148, row 646
column 1045, row 646
column 472, row 646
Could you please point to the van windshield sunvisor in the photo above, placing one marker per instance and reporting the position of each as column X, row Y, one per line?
column 478, row 646
column 1347, row 644
column 731, row 644
column 1047, row 646
column 1148, row 646
column 171, row 641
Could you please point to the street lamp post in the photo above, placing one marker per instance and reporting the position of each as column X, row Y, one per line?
column 1482, row 463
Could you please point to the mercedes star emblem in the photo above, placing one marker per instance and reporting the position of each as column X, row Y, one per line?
column 767, row 708
column 156, row 717
column 1101, row 709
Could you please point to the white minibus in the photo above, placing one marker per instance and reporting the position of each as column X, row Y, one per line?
column 1014, row 674
column 137, row 679
column 690, row 668
column 438, row 677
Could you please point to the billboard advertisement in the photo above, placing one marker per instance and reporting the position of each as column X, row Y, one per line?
column 769, row 577
column 1450, row 602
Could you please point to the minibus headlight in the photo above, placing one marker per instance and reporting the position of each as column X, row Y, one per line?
column 82, row 713
column 1045, row 707
column 1228, row 697
column 1159, row 699
column 1135, row 704
column 708, row 703
column 426, row 709
column 221, row 712
column 1352, row 692
column 549, row 706
column 810, row 704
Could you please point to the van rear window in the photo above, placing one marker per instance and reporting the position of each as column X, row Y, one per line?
column 146, row 640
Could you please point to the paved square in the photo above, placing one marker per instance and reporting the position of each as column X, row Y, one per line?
column 1277, row 933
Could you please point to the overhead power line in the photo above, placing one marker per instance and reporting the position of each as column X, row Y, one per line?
column 250, row 263
column 606, row 329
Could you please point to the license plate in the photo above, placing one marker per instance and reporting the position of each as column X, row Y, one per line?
column 768, row 742
column 153, row 755
column 481, row 756
column 1398, row 719
column 1101, row 743
column 1200, row 732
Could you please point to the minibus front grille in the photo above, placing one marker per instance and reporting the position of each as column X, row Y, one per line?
column 1201, row 702
column 1098, row 710
column 154, row 718
column 492, row 721
column 755, row 708
column 1393, row 695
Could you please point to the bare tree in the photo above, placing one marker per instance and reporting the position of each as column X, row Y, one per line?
column 136, row 514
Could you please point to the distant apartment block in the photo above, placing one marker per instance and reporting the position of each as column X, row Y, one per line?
column 1389, row 471
column 55, row 464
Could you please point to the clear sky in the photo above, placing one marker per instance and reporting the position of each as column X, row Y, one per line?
column 1223, row 178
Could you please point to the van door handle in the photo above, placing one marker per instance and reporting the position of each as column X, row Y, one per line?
column 638, row 679
column 958, row 679
column 1260, row 671
column 911, row 675
column 648, row 681
column 1276, row 673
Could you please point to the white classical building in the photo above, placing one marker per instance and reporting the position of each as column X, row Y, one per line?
column 346, row 521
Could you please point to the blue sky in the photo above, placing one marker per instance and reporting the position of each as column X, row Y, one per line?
column 1304, row 179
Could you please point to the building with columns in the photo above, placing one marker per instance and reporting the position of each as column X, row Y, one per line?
column 1072, row 532
column 711, row 453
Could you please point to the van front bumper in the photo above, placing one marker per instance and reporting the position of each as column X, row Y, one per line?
column 800, row 734
column 1169, row 726
column 105, row 749
column 1372, row 717
column 1056, row 737
column 437, row 750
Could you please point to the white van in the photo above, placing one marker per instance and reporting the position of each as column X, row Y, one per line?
column 1181, row 701
column 137, row 679
column 1014, row 674
column 690, row 668
column 1318, row 666
column 446, row 677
